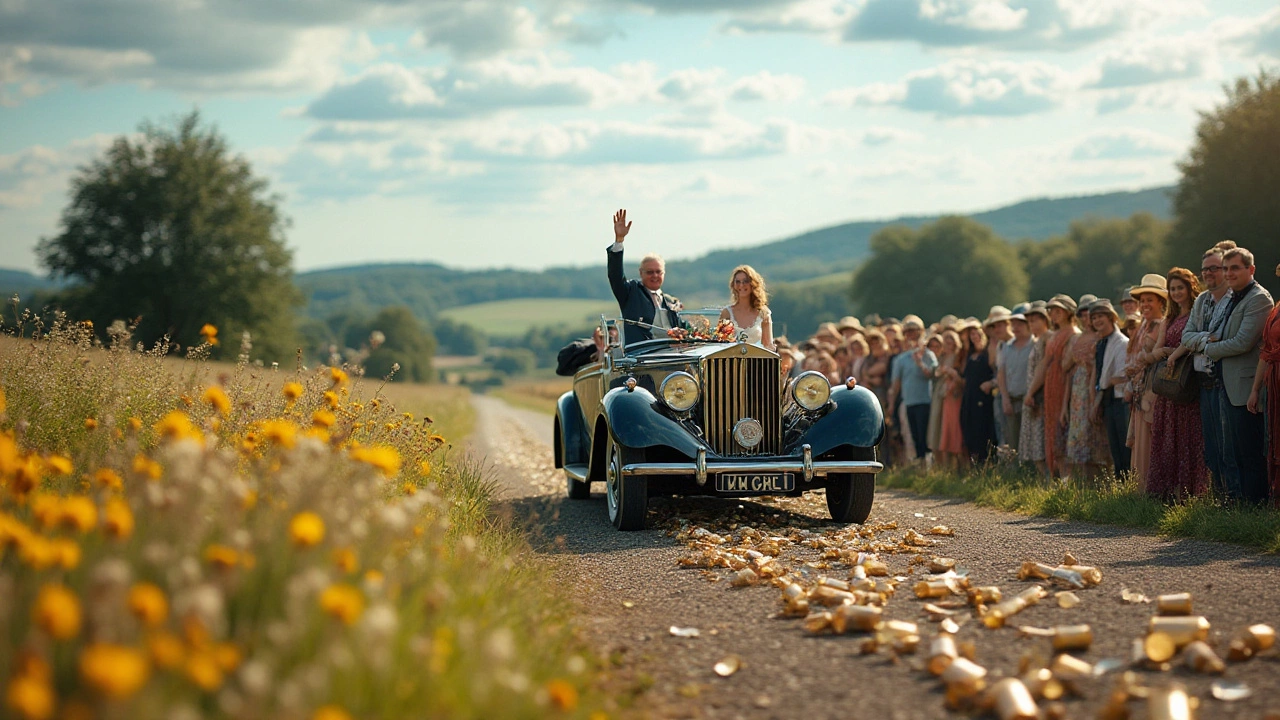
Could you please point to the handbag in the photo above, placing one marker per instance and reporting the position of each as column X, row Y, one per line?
column 1174, row 381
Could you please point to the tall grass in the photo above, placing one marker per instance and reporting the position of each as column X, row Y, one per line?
column 183, row 540
column 1109, row 501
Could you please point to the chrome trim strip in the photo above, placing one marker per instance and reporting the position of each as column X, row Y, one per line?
column 577, row 472
column 700, row 466
column 821, row 468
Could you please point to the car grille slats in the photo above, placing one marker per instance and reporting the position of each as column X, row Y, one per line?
column 737, row 388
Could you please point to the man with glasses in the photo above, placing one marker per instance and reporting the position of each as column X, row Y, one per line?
column 1194, row 336
column 641, row 300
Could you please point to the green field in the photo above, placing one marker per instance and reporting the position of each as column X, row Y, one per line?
column 511, row 318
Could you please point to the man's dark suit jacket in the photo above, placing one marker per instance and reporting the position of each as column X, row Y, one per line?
column 636, row 303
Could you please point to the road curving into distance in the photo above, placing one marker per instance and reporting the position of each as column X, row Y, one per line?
column 632, row 591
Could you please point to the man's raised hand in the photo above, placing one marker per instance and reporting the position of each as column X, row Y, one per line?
column 620, row 226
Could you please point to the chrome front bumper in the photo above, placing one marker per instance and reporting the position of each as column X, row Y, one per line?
column 805, row 466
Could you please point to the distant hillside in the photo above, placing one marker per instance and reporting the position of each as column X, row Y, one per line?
column 23, row 283
column 428, row 288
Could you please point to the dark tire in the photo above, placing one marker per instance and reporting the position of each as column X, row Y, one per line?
column 851, row 495
column 575, row 489
column 627, row 497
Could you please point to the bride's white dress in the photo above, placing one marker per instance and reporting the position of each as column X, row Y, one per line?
column 755, row 331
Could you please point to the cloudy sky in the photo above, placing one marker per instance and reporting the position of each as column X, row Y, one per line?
column 483, row 133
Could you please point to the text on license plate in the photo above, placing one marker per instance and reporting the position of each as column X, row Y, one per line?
column 764, row 483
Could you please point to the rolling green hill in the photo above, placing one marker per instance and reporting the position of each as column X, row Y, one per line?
column 512, row 318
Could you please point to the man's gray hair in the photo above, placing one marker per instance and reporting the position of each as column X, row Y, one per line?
column 653, row 257
column 1245, row 256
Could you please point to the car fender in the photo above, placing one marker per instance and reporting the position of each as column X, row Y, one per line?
column 855, row 418
column 635, row 422
column 573, row 444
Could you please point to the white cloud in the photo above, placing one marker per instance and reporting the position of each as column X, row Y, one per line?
column 808, row 16
column 967, row 87
column 1165, row 60
column 31, row 175
column 767, row 87
column 472, row 30
column 877, row 136
column 1124, row 144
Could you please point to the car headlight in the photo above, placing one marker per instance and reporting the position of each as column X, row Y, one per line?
column 679, row 391
column 811, row 390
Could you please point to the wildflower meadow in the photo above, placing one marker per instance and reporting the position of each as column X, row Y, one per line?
column 184, row 539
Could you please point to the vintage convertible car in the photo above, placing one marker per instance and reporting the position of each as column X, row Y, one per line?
column 707, row 415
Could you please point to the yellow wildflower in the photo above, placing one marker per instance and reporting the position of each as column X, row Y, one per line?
column 375, row 403
column 202, row 669
column 216, row 398
column 108, row 478
column 437, row 439
column 292, row 391
column 318, row 433
column 66, row 553
column 338, row 377
column 46, row 509
column 563, row 696
column 117, row 519
column 425, row 467
column 78, row 512
column 249, row 500
column 343, row 602
column 166, row 650
column 145, row 467
column 149, row 604
column 57, row 611
column 3, row 403
column 186, row 400
column 135, row 424
column 30, row 696
column 221, row 556
column 331, row 399
column 323, row 418
column 331, row 712
column 306, row 529
column 176, row 426
column 209, row 333
column 441, row 650
column 25, row 475
column 59, row 464
column 345, row 559
column 409, row 489
column 383, row 457
column 280, row 432
column 90, row 424
column 38, row 552
column 227, row 656
column 116, row 671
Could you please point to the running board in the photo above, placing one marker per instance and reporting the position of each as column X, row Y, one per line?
column 577, row 472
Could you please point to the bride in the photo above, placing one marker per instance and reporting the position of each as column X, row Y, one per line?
column 747, row 309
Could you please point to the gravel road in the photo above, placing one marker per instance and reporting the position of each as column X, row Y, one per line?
column 632, row 590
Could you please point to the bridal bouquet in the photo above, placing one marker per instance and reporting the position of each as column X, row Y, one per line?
column 723, row 332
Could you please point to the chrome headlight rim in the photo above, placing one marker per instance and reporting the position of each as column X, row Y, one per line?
column 819, row 377
column 690, row 401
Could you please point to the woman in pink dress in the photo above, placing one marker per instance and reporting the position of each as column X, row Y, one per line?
column 1087, row 450
column 1152, row 295
column 1269, row 375
column 1177, row 468
column 951, row 442
column 1062, row 313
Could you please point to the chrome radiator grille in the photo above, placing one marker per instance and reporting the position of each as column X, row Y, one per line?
column 736, row 388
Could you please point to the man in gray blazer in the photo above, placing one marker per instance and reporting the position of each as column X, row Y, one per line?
column 1196, row 335
column 643, row 299
column 1232, row 346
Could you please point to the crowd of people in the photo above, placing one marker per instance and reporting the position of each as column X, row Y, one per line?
column 1177, row 383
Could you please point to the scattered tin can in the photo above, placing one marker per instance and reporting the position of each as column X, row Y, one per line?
column 744, row 578
column 1070, row 667
column 1175, row 604
column 1201, row 658
column 1013, row 701
column 941, row 564
column 997, row 614
column 1072, row 637
column 966, row 675
column 985, row 595
column 1170, row 703
column 861, row 618
column 942, row 652
column 1158, row 647
column 933, row 589
column 875, row 568
column 1182, row 629
column 1229, row 691
column 1251, row 641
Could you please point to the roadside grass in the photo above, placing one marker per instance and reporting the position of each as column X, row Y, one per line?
column 195, row 539
column 534, row 393
column 1108, row 501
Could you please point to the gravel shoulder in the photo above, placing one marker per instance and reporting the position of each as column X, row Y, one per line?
column 631, row 590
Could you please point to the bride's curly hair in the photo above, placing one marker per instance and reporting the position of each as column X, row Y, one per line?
column 759, row 298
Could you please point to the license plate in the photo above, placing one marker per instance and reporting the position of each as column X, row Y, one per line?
column 761, row 483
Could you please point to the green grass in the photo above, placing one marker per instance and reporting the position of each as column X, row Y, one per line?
column 512, row 318
column 537, row 393
column 1108, row 502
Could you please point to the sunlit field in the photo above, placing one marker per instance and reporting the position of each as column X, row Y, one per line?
column 185, row 539
column 535, row 393
column 512, row 318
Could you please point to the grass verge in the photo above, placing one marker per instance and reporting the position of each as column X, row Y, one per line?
column 1109, row 502
column 185, row 539
column 537, row 394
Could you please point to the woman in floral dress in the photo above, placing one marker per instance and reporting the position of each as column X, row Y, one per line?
column 1062, row 309
column 1031, row 444
column 1087, row 449
column 1177, row 467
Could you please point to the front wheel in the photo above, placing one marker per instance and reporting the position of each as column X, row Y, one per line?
column 850, row 495
column 627, row 496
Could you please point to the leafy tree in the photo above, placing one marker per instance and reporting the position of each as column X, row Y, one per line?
column 955, row 265
column 1231, row 180
column 514, row 361
column 457, row 338
column 404, row 340
column 800, row 307
column 1096, row 256
column 173, row 228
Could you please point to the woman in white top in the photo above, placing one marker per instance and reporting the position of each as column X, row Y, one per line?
column 747, row 309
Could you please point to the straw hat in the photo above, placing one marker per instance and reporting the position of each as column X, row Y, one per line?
column 1086, row 300
column 948, row 322
column 912, row 321
column 998, row 313
column 1038, row 307
column 1103, row 306
column 1151, row 283
column 1066, row 302
column 848, row 322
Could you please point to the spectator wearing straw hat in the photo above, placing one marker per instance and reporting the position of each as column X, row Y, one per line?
column 1152, row 296
column 996, row 328
column 1057, row 381
column 912, row 381
column 1109, row 381
column 1011, row 375
column 1031, row 438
